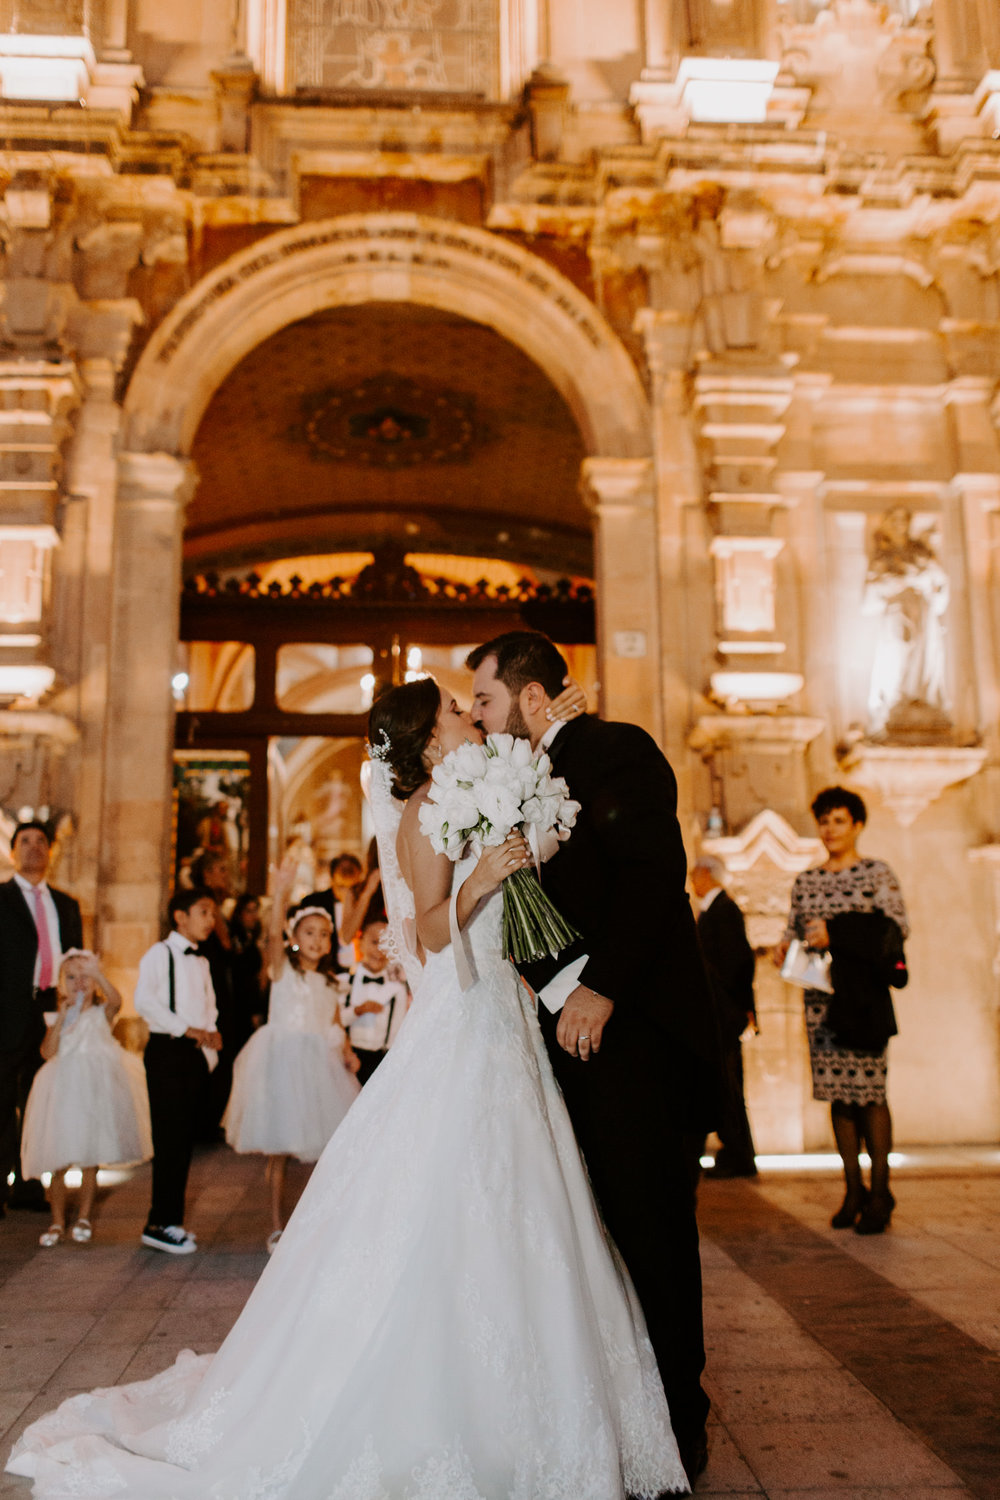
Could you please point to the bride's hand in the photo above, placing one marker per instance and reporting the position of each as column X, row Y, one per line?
column 571, row 702
column 497, row 863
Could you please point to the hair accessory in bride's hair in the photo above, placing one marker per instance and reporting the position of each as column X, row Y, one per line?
column 381, row 749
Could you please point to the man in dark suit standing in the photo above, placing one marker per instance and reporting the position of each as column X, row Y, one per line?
column 730, row 962
column 37, row 926
column 625, row 1011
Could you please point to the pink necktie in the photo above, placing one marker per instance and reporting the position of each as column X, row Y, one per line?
column 44, row 943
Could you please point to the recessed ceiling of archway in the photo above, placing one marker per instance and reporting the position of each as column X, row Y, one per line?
column 388, row 422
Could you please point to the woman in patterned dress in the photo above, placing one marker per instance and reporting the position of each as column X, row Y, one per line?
column 852, row 1080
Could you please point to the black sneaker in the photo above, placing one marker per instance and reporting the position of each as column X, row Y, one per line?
column 173, row 1238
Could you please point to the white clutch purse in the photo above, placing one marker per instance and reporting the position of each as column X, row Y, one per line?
column 807, row 967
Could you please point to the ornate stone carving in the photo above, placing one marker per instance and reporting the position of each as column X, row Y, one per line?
column 390, row 422
column 860, row 56
column 444, row 45
column 909, row 778
column 762, row 861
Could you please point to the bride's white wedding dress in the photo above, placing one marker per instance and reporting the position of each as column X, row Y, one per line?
column 443, row 1318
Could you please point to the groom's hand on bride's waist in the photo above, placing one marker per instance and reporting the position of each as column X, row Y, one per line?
column 582, row 1021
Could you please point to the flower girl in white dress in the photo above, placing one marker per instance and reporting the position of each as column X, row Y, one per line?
column 88, row 1105
column 444, row 1317
column 293, row 1080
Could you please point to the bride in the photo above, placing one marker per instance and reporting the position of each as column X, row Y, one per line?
column 444, row 1317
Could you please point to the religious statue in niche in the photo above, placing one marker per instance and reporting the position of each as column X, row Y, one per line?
column 907, row 588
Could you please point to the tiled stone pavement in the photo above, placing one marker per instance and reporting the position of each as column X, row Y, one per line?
column 838, row 1366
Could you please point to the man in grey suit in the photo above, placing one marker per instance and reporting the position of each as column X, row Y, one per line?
column 38, row 924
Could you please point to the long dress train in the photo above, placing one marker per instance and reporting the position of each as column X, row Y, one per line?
column 444, row 1318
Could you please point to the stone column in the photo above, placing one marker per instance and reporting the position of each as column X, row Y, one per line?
column 619, row 492
column 84, row 616
column 153, row 489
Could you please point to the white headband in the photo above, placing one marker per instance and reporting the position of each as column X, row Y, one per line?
column 303, row 912
column 76, row 953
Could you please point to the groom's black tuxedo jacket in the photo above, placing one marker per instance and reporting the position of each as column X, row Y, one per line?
column 620, row 879
column 20, row 1012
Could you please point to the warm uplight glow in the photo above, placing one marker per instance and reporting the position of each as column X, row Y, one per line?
column 723, row 90
column 755, row 687
column 28, row 683
column 810, row 1161
column 45, row 67
column 367, row 690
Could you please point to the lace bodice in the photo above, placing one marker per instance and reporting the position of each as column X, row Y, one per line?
column 302, row 1002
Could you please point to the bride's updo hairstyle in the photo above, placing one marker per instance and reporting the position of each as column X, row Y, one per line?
column 405, row 717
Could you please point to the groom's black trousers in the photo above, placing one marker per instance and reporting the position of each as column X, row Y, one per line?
column 642, row 1162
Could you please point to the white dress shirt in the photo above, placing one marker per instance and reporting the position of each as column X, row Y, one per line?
column 559, row 988
column 194, row 997
column 704, row 902
column 376, row 1029
column 51, row 921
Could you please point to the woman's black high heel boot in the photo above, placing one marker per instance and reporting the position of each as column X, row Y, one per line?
column 874, row 1217
column 854, row 1204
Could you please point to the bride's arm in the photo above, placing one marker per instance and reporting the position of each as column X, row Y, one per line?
column 429, row 875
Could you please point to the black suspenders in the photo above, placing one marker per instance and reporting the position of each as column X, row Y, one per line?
column 171, row 982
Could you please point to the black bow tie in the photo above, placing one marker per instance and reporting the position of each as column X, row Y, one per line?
column 373, row 979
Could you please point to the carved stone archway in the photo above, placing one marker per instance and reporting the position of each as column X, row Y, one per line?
column 385, row 258
column 287, row 277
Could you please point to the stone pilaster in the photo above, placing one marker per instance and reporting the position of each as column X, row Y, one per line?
column 153, row 489
column 37, row 398
column 83, row 619
column 678, row 489
column 619, row 493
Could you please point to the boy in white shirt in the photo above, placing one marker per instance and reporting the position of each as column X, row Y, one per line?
column 376, row 1004
column 174, row 995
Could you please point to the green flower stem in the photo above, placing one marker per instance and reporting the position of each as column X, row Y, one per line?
column 532, row 927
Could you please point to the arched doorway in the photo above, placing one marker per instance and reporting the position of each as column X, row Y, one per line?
column 289, row 277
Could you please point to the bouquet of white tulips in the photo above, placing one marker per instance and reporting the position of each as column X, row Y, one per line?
column 480, row 794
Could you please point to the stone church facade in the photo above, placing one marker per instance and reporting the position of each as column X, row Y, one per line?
column 696, row 302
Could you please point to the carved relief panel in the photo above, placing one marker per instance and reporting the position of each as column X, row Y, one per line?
column 449, row 46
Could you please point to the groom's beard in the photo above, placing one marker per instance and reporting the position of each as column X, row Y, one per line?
column 516, row 725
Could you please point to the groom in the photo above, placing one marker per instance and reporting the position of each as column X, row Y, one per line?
column 625, row 1011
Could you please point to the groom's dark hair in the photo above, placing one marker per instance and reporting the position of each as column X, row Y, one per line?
column 523, row 656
